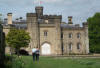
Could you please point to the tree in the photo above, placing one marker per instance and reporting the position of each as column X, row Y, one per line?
column 0, row 18
column 94, row 33
column 2, row 44
column 17, row 39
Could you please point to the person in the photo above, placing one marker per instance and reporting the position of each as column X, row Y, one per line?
column 37, row 54
column 34, row 53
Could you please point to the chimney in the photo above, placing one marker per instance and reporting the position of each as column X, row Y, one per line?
column 85, row 24
column 70, row 20
column 5, row 20
column 9, row 18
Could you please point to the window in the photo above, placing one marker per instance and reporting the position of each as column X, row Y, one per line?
column 62, row 35
column 78, row 35
column 78, row 46
column 45, row 33
column 70, row 35
column 70, row 46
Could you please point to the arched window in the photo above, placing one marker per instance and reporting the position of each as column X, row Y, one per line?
column 78, row 46
column 70, row 46
column 70, row 35
column 78, row 35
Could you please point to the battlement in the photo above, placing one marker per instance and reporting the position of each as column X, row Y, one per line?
column 52, row 17
column 31, row 15
column 55, row 16
column 39, row 8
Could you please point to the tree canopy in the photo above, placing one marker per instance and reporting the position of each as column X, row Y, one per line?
column 94, row 33
column 17, row 38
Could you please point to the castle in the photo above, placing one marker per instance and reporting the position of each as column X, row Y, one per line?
column 51, row 35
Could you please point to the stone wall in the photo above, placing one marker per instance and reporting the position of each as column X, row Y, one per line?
column 74, row 40
column 83, row 40
column 51, row 39
column 33, row 29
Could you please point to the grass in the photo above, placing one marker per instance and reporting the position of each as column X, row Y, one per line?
column 50, row 62
column 12, row 62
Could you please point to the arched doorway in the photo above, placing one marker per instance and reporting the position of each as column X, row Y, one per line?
column 46, row 49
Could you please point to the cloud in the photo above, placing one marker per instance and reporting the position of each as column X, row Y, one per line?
column 47, row 1
column 52, row 1
column 79, row 9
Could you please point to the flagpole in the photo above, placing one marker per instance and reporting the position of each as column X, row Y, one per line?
column 39, row 2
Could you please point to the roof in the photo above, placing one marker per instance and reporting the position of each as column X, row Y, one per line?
column 68, row 26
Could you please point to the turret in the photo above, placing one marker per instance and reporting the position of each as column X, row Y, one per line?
column 58, row 20
column 85, row 26
column 39, row 11
column 32, row 25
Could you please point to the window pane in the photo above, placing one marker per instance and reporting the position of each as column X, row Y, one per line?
column 78, row 35
column 45, row 33
column 70, row 35
column 78, row 46
column 70, row 46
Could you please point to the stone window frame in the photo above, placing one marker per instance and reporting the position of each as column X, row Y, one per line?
column 70, row 35
column 78, row 35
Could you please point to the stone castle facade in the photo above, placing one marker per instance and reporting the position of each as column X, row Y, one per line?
column 53, row 36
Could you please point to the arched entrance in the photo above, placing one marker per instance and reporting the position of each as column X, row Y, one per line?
column 46, row 49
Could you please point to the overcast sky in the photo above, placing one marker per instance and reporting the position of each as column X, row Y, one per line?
column 79, row 9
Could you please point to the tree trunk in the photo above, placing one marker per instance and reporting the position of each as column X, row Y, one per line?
column 17, row 51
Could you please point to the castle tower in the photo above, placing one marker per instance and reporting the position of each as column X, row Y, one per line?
column 9, row 18
column 58, row 20
column 33, row 29
column 85, row 26
column 39, row 11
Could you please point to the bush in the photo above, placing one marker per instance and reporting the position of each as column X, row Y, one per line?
column 8, row 62
column 13, row 62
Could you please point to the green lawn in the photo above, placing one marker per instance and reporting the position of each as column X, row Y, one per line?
column 53, row 62
column 50, row 62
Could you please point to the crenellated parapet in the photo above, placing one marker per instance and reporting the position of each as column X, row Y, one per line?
column 38, row 8
column 51, row 17
column 31, row 15
column 55, row 16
